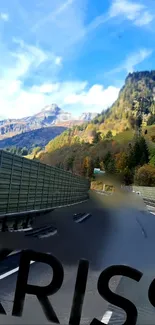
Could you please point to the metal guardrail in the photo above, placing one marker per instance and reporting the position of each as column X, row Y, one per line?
column 145, row 191
column 149, row 202
column 27, row 185
column 20, row 220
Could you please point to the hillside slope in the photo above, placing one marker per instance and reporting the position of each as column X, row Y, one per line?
column 135, row 106
column 85, row 146
column 136, row 98
column 34, row 138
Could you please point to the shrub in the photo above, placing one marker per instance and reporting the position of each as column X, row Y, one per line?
column 145, row 176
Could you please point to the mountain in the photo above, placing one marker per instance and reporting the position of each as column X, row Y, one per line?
column 50, row 115
column 34, row 138
column 87, row 116
column 111, row 130
column 136, row 100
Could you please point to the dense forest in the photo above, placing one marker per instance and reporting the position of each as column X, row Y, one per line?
column 120, row 140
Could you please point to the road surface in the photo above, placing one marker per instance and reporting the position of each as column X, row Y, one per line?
column 113, row 233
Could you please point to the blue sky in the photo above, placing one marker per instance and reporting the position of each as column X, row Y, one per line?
column 75, row 53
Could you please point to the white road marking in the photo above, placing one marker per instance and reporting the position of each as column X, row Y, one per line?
column 106, row 317
column 14, row 253
column 5, row 275
column 83, row 217
column 52, row 233
column 22, row 229
column 152, row 212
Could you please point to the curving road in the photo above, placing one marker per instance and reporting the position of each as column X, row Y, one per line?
column 115, row 230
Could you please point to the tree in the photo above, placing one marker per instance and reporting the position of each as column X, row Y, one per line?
column 24, row 151
column 97, row 162
column 90, row 169
column 138, row 123
column 151, row 120
column 95, row 121
column 121, row 160
column 96, row 137
column 109, row 163
column 132, row 122
column 145, row 176
column 152, row 157
column 108, row 135
column 87, row 167
column 127, row 176
column 138, row 153
column 152, row 161
column 70, row 162
column 153, row 138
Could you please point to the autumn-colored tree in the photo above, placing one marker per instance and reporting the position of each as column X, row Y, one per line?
column 86, row 166
column 121, row 160
column 145, row 176
column 153, row 138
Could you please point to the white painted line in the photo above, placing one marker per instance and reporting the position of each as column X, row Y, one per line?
column 5, row 275
column 14, row 253
column 26, row 229
column 152, row 212
column 106, row 317
column 48, row 235
column 83, row 217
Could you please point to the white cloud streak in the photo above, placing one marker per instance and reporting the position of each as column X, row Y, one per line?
column 4, row 16
column 135, row 12
column 132, row 61
column 135, row 59
column 53, row 15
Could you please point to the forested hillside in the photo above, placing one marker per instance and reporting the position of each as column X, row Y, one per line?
column 119, row 140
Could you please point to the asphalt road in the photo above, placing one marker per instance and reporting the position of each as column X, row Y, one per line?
column 119, row 230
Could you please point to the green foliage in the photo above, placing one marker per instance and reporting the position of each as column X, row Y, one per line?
column 18, row 151
column 145, row 176
column 138, row 153
column 70, row 161
column 108, row 135
column 152, row 161
column 87, row 167
column 151, row 120
column 109, row 163
column 96, row 137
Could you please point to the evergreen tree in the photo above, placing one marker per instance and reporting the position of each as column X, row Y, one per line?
column 109, row 163
column 96, row 137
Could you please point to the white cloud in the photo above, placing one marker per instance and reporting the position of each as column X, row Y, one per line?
column 26, row 62
column 124, row 7
column 75, row 97
column 145, row 19
column 58, row 60
column 46, row 88
column 135, row 59
column 136, row 12
column 94, row 99
column 132, row 61
column 128, row 10
column 53, row 14
column 4, row 16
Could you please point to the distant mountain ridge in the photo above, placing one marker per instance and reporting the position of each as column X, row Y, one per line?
column 34, row 138
column 50, row 115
